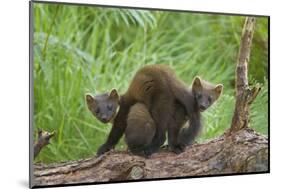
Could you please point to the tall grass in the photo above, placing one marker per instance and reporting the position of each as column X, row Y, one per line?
column 90, row 49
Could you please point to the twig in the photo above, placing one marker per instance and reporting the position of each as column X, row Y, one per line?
column 43, row 140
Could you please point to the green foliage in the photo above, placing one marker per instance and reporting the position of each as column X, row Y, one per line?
column 90, row 49
column 259, row 110
column 217, row 119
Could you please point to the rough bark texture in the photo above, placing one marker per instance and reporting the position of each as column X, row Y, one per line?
column 244, row 94
column 42, row 141
column 240, row 150
column 244, row 151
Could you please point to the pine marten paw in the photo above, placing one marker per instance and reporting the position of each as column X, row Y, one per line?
column 102, row 149
column 177, row 149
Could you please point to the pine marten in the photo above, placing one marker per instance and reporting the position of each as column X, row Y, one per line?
column 205, row 94
column 155, row 102
column 140, row 125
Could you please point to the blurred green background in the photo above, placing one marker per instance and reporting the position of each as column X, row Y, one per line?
column 79, row 49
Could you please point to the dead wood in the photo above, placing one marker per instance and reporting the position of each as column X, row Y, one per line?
column 42, row 141
column 245, row 151
column 244, row 94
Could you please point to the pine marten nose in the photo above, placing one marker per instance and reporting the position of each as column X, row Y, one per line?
column 104, row 118
column 203, row 107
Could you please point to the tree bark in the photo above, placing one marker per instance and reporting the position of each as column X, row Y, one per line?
column 244, row 94
column 239, row 150
column 243, row 152
column 42, row 141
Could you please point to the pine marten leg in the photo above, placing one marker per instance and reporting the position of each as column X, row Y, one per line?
column 157, row 141
column 188, row 134
column 140, row 130
column 176, row 123
column 161, row 115
column 173, row 133
column 187, row 101
column 118, row 128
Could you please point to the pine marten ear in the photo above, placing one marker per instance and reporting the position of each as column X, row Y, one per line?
column 218, row 89
column 114, row 94
column 196, row 84
column 90, row 100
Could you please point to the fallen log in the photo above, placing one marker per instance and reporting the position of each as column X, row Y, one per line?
column 243, row 152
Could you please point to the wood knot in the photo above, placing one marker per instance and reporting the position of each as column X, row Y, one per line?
column 136, row 173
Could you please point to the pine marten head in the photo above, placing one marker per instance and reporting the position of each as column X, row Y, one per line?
column 205, row 93
column 104, row 106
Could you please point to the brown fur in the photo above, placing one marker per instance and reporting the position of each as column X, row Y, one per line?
column 169, row 104
column 140, row 129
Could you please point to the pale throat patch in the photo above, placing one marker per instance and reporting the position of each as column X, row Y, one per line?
column 113, row 117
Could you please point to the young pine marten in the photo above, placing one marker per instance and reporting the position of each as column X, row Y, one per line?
column 155, row 102
column 140, row 126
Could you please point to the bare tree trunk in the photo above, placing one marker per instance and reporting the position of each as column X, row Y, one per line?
column 244, row 94
column 240, row 150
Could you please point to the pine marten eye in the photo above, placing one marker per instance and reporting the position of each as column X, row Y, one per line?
column 109, row 107
column 199, row 95
column 97, row 111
